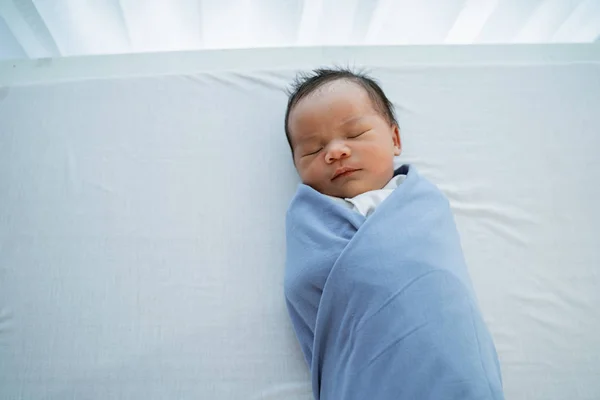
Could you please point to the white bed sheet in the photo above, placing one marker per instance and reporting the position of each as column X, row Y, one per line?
column 142, row 217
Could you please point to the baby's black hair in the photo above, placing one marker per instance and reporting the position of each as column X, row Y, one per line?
column 306, row 83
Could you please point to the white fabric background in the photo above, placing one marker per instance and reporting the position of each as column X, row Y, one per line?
column 142, row 221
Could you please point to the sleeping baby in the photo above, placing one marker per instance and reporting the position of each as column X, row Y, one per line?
column 376, row 284
column 344, row 136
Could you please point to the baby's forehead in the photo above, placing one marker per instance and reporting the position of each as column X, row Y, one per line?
column 339, row 96
column 333, row 107
column 341, row 86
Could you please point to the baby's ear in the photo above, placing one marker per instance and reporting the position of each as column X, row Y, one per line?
column 396, row 139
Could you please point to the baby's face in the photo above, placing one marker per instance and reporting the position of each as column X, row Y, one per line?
column 336, row 129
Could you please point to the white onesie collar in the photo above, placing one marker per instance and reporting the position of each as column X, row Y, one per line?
column 366, row 203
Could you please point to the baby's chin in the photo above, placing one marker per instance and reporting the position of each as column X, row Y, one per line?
column 352, row 188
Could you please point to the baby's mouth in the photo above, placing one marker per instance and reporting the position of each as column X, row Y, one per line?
column 343, row 172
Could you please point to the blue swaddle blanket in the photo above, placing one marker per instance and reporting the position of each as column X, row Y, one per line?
column 383, row 307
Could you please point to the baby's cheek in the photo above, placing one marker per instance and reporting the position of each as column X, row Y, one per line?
column 377, row 158
column 383, row 167
column 315, row 176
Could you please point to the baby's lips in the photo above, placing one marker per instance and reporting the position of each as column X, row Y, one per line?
column 342, row 171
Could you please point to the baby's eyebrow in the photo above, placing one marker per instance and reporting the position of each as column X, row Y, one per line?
column 308, row 138
column 352, row 120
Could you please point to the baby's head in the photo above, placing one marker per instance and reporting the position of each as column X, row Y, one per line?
column 342, row 131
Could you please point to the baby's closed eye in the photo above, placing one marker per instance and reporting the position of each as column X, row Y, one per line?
column 311, row 153
column 357, row 135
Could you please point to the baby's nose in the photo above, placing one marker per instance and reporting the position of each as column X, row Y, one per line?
column 337, row 153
